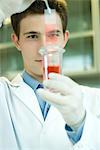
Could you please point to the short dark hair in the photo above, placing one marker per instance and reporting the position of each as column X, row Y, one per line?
column 37, row 7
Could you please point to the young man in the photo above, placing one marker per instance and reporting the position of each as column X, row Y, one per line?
column 25, row 122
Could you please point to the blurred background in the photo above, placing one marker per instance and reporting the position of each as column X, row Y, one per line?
column 81, row 59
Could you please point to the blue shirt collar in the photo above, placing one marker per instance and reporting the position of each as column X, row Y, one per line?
column 34, row 84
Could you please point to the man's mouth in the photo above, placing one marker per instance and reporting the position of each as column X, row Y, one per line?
column 40, row 60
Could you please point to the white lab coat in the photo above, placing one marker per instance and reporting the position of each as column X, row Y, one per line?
column 22, row 126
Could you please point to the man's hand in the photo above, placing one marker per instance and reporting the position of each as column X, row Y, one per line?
column 63, row 93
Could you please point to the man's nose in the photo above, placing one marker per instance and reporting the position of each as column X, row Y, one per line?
column 42, row 43
column 45, row 41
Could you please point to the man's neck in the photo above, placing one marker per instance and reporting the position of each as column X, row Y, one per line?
column 36, row 77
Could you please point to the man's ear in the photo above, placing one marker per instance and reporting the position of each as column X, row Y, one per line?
column 66, row 36
column 15, row 41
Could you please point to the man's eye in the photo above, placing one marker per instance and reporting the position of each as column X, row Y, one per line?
column 54, row 35
column 33, row 36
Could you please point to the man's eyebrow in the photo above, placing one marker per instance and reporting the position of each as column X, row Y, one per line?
column 31, row 32
column 55, row 31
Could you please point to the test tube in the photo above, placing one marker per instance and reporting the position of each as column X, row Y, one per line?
column 47, row 5
column 52, row 59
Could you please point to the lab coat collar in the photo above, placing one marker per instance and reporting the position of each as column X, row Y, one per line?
column 28, row 97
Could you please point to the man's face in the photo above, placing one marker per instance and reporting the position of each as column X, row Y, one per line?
column 34, row 34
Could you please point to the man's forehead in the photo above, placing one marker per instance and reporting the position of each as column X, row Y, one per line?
column 38, row 25
column 41, row 19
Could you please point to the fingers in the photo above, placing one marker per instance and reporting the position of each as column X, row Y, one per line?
column 65, row 79
column 58, row 100
column 52, row 97
column 63, row 84
column 57, row 86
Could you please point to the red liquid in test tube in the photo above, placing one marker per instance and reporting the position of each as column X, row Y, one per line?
column 55, row 69
column 51, row 69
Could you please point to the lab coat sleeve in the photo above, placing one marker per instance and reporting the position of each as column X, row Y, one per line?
column 91, row 98
column 90, row 139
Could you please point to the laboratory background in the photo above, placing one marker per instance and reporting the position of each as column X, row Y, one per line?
column 81, row 60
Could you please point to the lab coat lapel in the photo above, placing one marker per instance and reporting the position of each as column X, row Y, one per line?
column 52, row 115
column 27, row 97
